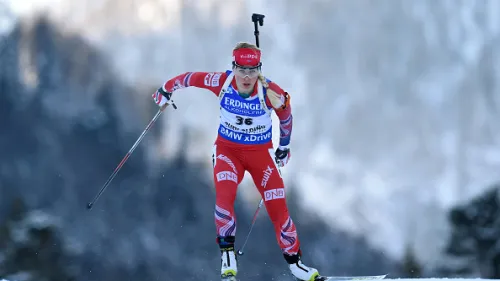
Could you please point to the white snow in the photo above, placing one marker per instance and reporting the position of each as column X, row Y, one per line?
column 21, row 276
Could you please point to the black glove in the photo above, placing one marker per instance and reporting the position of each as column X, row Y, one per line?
column 282, row 155
column 163, row 97
column 164, row 93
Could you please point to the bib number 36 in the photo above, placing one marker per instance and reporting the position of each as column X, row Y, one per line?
column 240, row 120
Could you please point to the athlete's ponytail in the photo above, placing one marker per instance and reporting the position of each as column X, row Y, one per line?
column 263, row 81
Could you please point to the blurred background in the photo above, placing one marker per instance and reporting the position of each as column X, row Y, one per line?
column 395, row 145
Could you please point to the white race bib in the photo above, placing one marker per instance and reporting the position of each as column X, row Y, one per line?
column 244, row 121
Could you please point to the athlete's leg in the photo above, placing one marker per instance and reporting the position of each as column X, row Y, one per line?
column 267, row 179
column 228, row 173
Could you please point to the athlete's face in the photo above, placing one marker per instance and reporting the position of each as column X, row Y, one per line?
column 246, row 77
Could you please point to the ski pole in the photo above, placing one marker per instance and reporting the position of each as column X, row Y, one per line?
column 240, row 251
column 120, row 165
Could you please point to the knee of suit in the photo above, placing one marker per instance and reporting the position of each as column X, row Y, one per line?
column 225, row 199
column 277, row 210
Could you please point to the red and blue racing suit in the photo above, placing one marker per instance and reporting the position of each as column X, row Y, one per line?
column 244, row 143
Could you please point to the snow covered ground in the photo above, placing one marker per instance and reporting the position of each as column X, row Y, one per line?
column 437, row 279
column 401, row 279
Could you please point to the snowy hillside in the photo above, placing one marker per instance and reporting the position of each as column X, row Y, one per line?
column 395, row 104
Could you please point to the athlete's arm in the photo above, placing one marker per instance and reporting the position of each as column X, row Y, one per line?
column 280, row 101
column 212, row 81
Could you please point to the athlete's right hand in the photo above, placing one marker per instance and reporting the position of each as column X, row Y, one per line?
column 163, row 98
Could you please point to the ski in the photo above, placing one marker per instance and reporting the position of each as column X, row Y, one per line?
column 346, row 278
column 329, row 278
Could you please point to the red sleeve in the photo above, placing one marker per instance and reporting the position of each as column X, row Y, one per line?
column 212, row 81
column 284, row 114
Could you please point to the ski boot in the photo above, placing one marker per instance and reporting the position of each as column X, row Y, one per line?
column 229, row 263
column 300, row 271
column 229, row 266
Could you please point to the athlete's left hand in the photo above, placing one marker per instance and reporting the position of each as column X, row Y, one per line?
column 282, row 155
column 278, row 101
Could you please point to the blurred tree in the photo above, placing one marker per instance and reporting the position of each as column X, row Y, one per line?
column 475, row 236
column 411, row 265
column 32, row 247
